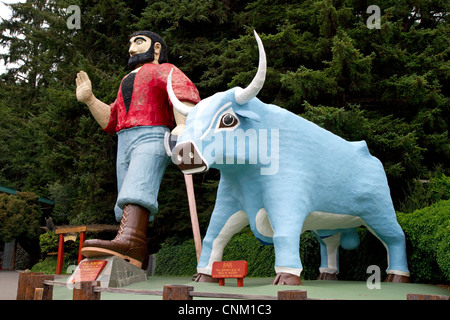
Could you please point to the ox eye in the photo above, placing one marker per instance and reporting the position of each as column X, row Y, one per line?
column 228, row 120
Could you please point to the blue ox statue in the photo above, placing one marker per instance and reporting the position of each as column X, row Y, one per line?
column 284, row 175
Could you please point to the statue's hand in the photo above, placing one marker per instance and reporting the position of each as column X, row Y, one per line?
column 84, row 87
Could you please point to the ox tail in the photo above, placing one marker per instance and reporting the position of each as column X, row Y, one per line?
column 349, row 239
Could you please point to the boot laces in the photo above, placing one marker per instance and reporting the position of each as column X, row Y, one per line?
column 123, row 222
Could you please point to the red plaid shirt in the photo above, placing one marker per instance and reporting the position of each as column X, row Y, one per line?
column 150, row 105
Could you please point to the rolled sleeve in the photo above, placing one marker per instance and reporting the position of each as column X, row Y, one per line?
column 184, row 89
column 112, row 124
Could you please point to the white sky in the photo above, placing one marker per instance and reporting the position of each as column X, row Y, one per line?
column 5, row 13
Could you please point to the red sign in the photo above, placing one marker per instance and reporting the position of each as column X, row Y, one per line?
column 229, row 269
column 89, row 270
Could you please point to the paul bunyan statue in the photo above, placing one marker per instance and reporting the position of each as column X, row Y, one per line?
column 141, row 115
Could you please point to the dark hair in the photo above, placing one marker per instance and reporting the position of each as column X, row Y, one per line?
column 163, row 57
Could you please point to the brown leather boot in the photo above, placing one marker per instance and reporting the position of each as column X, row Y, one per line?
column 130, row 242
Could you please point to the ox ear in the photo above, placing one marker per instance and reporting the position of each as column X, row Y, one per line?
column 247, row 114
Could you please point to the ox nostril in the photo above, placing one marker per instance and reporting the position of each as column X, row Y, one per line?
column 188, row 159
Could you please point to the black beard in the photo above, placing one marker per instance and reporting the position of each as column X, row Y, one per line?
column 141, row 58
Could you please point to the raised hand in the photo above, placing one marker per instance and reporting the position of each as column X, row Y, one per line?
column 84, row 87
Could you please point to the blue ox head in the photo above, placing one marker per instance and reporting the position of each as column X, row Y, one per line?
column 226, row 128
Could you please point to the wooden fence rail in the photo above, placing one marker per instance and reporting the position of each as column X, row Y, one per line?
column 38, row 286
column 417, row 296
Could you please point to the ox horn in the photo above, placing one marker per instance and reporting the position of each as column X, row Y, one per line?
column 243, row 96
column 177, row 104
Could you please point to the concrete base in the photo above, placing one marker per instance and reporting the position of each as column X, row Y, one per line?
column 117, row 273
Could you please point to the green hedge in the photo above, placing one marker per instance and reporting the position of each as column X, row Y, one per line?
column 428, row 241
column 176, row 260
column 180, row 260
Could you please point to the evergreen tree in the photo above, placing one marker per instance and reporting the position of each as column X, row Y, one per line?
column 20, row 217
column 388, row 86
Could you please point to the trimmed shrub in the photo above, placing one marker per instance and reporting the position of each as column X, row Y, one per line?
column 428, row 248
column 176, row 260
column 180, row 260
column 48, row 242
column 428, row 242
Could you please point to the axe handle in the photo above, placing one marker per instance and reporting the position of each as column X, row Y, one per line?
column 193, row 211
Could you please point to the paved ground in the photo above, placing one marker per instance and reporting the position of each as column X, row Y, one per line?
column 9, row 281
column 8, row 284
column 346, row 290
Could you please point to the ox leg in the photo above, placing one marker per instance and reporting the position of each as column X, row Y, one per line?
column 287, row 259
column 222, row 227
column 286, row 240
column 391, row 235
column 329, row 254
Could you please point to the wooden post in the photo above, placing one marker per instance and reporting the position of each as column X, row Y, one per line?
column 22, row 285
column 85, row 290
column 59, row 261
column 177, row 292
column 38, row 293
column 37, row 281
column 82, row 238
column 29, row 282
column 417, row 296
column 292, row 295
column 48, row 290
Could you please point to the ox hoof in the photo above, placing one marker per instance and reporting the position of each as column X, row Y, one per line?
column 397, row 278
column 201, row 277
column 327, row 276
column 287, row 279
